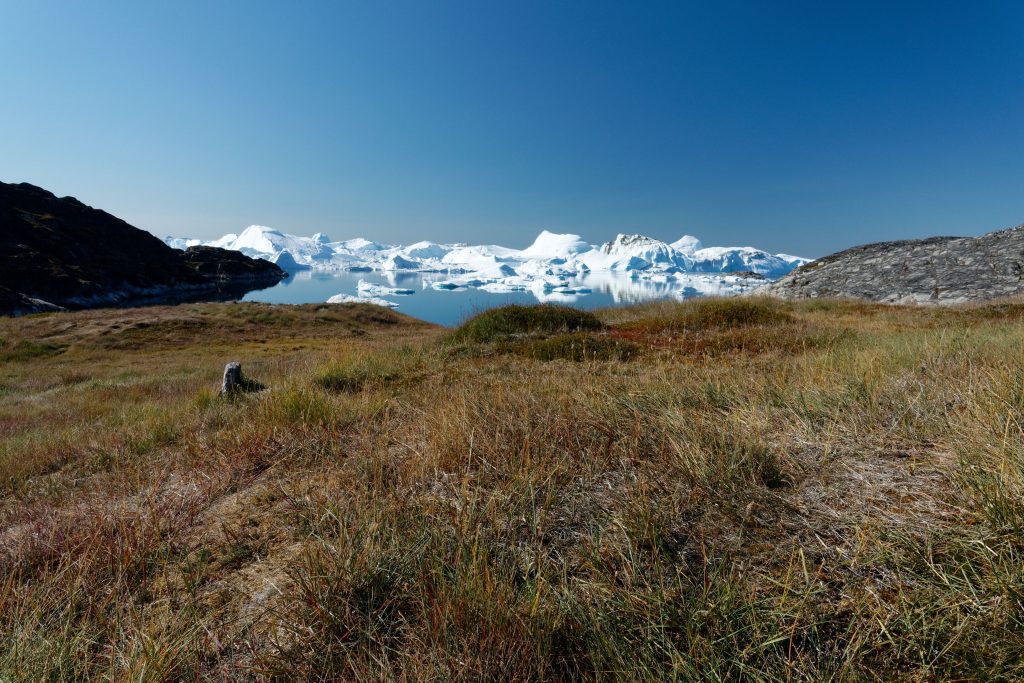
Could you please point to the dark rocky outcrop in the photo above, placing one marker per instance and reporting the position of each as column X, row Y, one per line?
column 14, row 303
column 60, row 253
column 224, row 265
column 937, row 270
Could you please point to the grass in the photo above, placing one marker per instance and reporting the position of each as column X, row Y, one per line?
column 360, row 370
column 709, row 314
column 505, row 322
column 578, row 347
column 709, row 490
column 24, row 350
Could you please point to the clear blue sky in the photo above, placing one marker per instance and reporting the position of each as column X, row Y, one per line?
column 801, row 127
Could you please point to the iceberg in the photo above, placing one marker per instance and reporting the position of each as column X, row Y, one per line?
column 425, row 250
column 349, row 299
column 748, row 259
column 287, row 262
column 546, row 267
column 550, row 245
column 396, row 262
column 687, row 244
column 181, row 243
column 369, row 289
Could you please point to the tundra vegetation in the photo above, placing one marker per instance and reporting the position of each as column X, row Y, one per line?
column 717, row 489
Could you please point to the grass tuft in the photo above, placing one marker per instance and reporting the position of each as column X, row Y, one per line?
column 578, row 347
column 506, row 322
column 715, row 314
column 360, row 370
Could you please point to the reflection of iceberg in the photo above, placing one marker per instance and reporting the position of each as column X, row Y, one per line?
column 397, row 278
column 553, row 297
column 620, row 287
column 503, row 287
column 437, row 292
column 721, row 285
column 626, row 289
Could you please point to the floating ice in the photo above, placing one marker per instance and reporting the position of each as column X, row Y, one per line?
column 369, row 289
column 349, row 299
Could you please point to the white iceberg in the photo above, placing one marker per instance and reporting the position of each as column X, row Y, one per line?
column 349, row 299
column 369, row 289
column 397, row 262
column 550, row 245
column 287, row 262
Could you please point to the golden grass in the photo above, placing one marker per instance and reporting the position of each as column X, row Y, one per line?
column 814, row 491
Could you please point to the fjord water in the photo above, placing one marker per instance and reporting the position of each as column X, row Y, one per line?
column 449, row 307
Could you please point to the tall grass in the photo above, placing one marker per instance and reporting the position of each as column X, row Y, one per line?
column 756, row 490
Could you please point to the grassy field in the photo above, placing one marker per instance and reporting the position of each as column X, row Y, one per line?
column 713, row 490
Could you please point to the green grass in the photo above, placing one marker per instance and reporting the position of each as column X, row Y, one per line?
column 24, row 350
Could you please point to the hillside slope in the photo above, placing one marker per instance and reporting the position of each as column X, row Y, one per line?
column 939, row 270
column 60, row 252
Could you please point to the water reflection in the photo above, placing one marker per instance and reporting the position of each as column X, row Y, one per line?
column 449, row 307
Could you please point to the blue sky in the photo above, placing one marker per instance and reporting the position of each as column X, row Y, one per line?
column 802, row 127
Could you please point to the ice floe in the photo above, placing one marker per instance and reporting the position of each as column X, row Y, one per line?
column 368, row 289
column 349, row 299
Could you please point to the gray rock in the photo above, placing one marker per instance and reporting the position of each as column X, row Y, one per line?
column 937, row 270
column 232, row 378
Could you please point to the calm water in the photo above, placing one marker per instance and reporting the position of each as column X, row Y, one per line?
column 451, row 307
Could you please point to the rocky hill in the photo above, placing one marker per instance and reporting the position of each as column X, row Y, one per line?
column 937, row 270
column 60, row 253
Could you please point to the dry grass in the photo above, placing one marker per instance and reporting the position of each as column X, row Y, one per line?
column 815, row 491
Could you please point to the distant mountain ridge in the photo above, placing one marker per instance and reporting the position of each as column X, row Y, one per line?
column 60, row 253
column 936, row 270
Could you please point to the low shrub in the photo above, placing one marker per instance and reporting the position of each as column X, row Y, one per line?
column 506, row 322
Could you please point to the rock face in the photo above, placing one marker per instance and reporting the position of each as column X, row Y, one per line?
column 60, row 253
column 937, row 270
